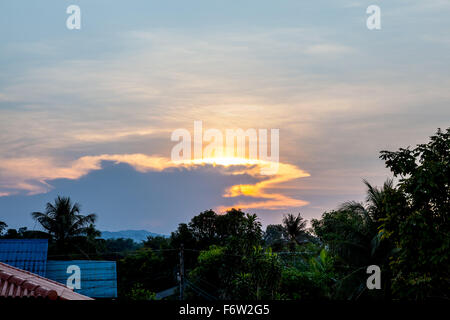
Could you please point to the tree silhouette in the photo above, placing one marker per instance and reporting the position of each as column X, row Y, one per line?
column 352, row 233
column 294, row 226
column 420, row 227
column 3, row 227
column 63, row 220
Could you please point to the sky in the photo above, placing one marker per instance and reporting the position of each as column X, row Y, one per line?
column 89, row 113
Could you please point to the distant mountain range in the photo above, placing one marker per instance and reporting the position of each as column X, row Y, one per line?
column 136, row 235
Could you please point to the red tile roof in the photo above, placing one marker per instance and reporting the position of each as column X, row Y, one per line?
column 15, row 282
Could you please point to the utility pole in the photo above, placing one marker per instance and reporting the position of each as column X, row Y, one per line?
column 182, row 272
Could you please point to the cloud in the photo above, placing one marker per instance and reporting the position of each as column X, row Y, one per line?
column 328, row 49
column 263, row 190
column 32, row 175
column 337, row 97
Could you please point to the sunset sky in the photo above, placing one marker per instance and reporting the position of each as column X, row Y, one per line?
column 89, row 113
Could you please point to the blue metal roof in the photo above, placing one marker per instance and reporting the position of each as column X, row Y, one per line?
column 25, row 254
column 98, row 278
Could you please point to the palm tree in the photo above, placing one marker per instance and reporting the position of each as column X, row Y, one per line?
column 294, row 227
column 371, row 212
column 361, row 241
column 63, row 220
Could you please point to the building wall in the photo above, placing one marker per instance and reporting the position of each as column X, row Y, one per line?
column 97, row 279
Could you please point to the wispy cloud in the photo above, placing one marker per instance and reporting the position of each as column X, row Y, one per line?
column 338, row 93
column 328, row 49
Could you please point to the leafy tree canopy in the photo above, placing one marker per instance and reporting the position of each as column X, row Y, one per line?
column 420, row 227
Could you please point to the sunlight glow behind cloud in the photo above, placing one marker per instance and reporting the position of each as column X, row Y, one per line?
column 33, row 175
column 338, row 93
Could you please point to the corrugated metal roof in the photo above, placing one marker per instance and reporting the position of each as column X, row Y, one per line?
column 25, row 254
column 18, row 283
column 98, row 278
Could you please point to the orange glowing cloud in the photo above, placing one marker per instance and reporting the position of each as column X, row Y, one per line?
column 272, row 201
column 19, row 172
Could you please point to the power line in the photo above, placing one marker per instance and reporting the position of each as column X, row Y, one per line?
column 201, row 291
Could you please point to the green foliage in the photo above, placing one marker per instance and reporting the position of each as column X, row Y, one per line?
column 346, row 235
column 63, row 219
column 121, row 245
column 208, row 228
column 24, row 233
column 157, row 243
column 213, row 269
column 295, row 228
column 275, row 237
column 419, row 225
column 239, row 231
column 251, row 277
column 353, row 234
column 153, row 272
column 314, row 280
column 236, row 230
column 114, row 249
column 264, row 268
column 300, row 285
column 68, row 228
column 140, row 293
column 243, row 286
column 211, row 257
